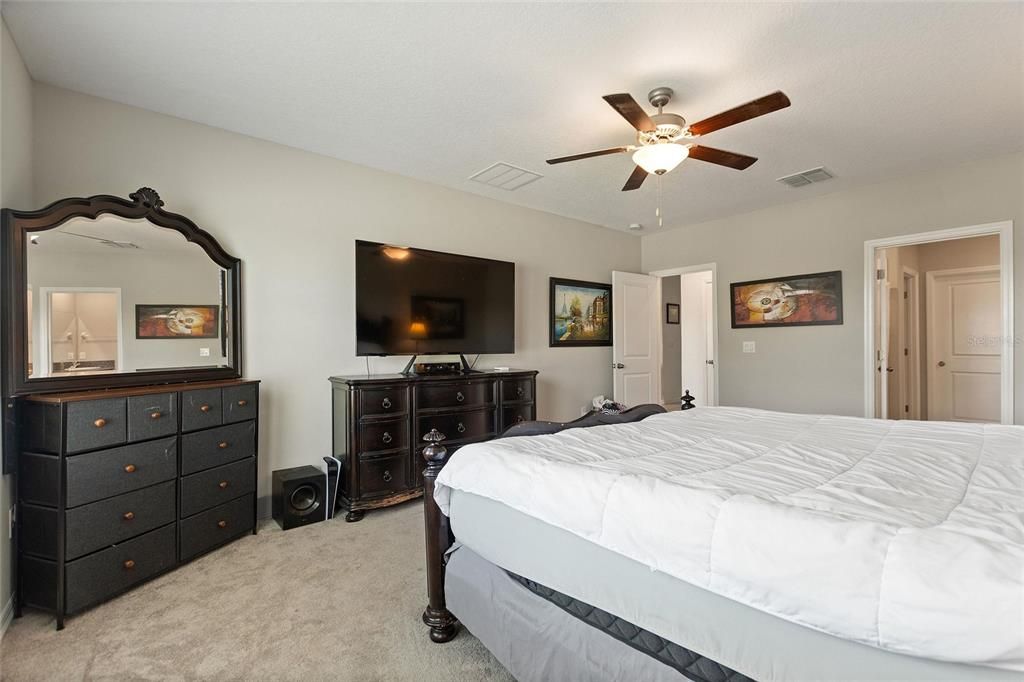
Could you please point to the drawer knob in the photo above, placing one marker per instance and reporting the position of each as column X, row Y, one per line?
column 222, row 485
column 386, row 476
column 128, row 516
column 129, row 565
column 223, row 444
column 519, row 391
column 100, row 423
column 459, row 396
column 155, row 415
column 386, row 438
column 386, row 403
column 520, row 419
column 222, row 524
column 129, row 468
column 461, row 428
column 243, row 403
column 204, row 408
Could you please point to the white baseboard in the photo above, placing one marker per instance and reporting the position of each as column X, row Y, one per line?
column 6, row 616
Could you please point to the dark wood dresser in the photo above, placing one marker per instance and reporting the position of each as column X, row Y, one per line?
column 118, row 486
column 380, row 421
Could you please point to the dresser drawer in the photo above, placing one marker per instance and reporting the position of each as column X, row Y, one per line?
column 96, row 424
column 461, row 394
column 206, row 530
column 152, row 416
column 216, row 486
column 200, row 409
column 239, row 403
column 101, row 575
column 214, row 447
column 516, row 389
column 101, row 524
column 457, row 426
column 106, row 473
column 377, row 402
column 516, row 414
column 382, row 476
column 384, row 435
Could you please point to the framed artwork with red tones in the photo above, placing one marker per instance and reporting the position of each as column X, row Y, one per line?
column 176, row 321
column 794, row 301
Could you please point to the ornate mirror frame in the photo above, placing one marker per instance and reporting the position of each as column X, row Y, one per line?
column 144, row 203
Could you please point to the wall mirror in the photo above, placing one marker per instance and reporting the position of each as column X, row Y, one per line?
column 104, row 292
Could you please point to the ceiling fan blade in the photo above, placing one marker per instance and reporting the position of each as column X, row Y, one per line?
column 587, row 155
column 744, row 112
column 636, row 178
column 631, row 111
column 721, row 157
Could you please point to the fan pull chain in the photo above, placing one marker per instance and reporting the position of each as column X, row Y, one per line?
column 657, row 210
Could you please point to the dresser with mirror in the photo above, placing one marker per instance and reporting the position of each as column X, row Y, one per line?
column 128, row 425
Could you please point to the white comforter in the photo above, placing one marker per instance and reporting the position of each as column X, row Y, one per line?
column 903, row 535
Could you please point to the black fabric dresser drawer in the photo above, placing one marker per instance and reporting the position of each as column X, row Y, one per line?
column 213, row 447
column 93, row 424
column 216, row 486
column 102, row 575
column 107, row 522
column 213, row 527
column 105, row 473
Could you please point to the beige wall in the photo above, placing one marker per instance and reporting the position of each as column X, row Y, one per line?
column 15, row 191
column 292, row 217
column 820, row 369
column 671, row 344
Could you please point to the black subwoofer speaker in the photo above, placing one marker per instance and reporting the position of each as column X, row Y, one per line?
column 300, row 496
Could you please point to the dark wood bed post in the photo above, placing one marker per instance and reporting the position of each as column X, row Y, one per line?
column 687, row 401
column 443, row 625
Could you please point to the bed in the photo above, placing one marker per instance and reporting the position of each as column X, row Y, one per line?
column 730, row 543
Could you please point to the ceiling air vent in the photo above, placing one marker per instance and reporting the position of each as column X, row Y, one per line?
column 806, row 177
column 505, row 176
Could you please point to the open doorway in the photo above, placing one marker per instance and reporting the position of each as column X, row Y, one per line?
column 688, row 335
column 941, row 333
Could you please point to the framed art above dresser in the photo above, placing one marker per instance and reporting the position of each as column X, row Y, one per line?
column 132, row 452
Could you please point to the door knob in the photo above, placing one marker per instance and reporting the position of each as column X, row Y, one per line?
column 618, row 365
column 710, row 362
column 942, row 363
column 890, row 369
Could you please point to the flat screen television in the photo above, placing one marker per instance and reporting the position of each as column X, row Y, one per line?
column 419, row 302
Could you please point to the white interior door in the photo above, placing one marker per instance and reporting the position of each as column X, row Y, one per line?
column 882, row 336
column 711, row 368
column 636, row 327
column 964, row 345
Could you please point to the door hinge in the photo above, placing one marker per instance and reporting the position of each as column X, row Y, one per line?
column 906, row 409
column 906, row 351
column 906, row 294
column 879, row 274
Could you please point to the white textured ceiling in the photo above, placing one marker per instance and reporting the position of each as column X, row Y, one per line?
column 441, row 91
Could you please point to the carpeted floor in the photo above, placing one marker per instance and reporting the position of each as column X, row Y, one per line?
column 334, row 600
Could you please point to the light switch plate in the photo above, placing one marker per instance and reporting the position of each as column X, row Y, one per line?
column 749, row 347
column 204, row 352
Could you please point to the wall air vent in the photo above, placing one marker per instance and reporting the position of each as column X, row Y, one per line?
column 806, row 177
column 505, row 176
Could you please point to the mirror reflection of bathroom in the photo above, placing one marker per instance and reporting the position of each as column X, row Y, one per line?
column 84, row 331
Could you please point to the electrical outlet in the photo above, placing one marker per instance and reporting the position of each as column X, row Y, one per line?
column 749, row 347
column 81, row 355
column 71, row 356
column 204, row 352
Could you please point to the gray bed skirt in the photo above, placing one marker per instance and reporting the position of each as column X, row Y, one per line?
column 536, row 640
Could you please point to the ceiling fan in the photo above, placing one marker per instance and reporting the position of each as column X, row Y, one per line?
column 664, row 140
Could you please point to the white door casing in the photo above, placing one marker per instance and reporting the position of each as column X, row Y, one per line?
column 964, row 344
column 709, row 338
column 636, row 328
column 882, row 349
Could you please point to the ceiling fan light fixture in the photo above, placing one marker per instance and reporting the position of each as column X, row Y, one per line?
column 660, row 158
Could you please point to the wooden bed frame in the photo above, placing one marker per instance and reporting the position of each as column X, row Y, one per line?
column 439, row 538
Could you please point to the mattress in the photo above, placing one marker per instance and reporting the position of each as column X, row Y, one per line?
column 735, row 636
column 905, row 536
